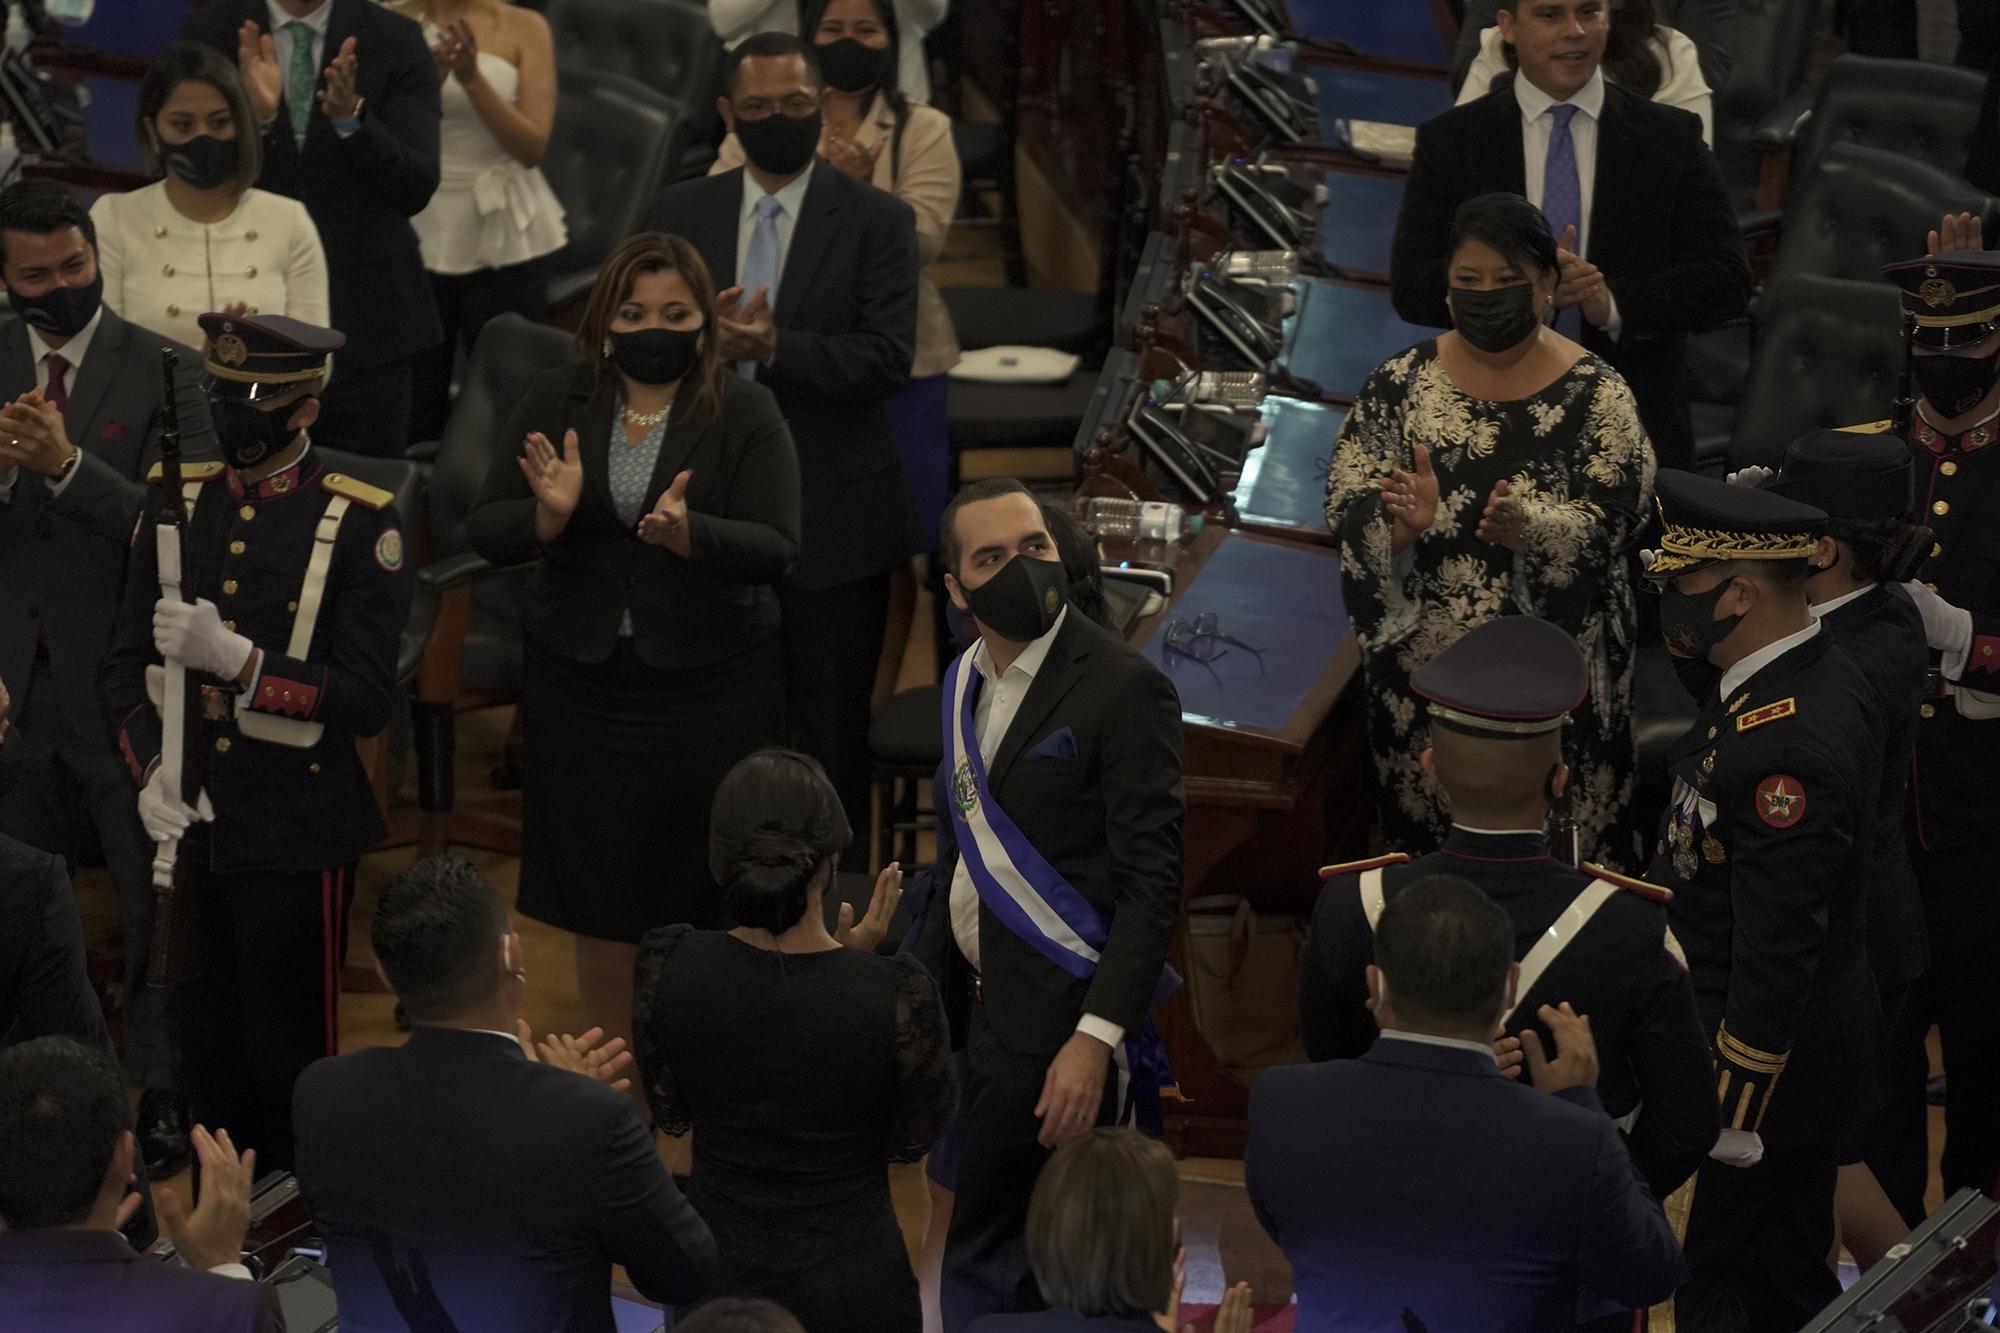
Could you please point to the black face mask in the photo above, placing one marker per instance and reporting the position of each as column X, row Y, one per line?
column 1688, row 623
column 656, row 356
column 779, row 144
column 62, row 311
column 1022, row 599
column 203, row 161
column 1495, row 320
column 1954, row 385
column 249, row 435
column 851, row 67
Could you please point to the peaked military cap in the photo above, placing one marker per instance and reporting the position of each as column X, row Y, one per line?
column 251, row 358
column 1512, row 677
column 1848, row 475
column 1707, row 520
column 1954, row 297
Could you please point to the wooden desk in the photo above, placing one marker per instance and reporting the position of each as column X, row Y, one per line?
column 1276, row 766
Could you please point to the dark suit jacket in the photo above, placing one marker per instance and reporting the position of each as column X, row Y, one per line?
column 1108, row 820
column 1418, row 1181
column 363, row 190
column 1703, row 22
column 454, row 1178
column 93, row 1282
column 743, row 516
column 847, row 321
column 64, row 555
column 44, row 986
column 1662, row 231
column 1060, row 1321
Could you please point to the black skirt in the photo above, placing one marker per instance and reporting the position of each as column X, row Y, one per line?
column 621, row 764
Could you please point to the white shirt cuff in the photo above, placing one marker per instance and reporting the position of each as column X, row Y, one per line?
column 1090, row 1025
column 60, row 485
column 237, row 1271
column 1614, row 323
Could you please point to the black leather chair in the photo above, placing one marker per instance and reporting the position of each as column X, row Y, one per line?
column 607, row 157
column 1922, row 112
column 905, row 746
column 1830, row 354
column 668, row 45
column 1770, row 45
column 1861, row 209
column 472, row 659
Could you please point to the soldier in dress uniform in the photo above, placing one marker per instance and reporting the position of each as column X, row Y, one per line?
column 1765, row 846
column 1954, row 302
column 1497, row 700
column 302, row 592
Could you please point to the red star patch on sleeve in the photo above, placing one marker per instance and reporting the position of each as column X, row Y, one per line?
column 1781, row 800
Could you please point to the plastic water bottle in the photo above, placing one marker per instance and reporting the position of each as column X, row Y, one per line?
column 18, row 35
column 1135, row 520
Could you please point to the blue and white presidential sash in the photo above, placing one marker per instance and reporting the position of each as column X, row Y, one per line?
column 1031, row 898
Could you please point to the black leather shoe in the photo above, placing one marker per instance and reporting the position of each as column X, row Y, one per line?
column 162, row 1130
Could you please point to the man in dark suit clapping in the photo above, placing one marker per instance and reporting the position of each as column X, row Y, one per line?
column 1651, row 251
column 820, row 271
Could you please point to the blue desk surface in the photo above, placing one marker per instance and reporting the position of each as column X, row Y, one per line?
column 1284, row 479
column 1340, row 333
column 1360, row 94
column 1358, row 221
column 1280, row 598
column 1402, row 29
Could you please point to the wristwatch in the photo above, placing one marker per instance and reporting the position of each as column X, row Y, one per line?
column 68, row 465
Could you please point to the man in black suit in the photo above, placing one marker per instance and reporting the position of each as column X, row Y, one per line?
column 820, row 271
column 460, row 1181
column 1417, row 1187
column 347, row 94
column 81, row 424
column 1706, row 23
column 1068, row 761
column 1651, row 251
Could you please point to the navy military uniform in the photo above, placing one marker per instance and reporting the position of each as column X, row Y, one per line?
column 1519, row 677
column 1765, row 846
column 1955, row 302
column 293, row 807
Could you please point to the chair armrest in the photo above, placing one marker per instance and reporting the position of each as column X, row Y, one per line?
column 566, row 288
column 423, row 451
column 459, row 571
column 1782, row 127
column 1759, row 223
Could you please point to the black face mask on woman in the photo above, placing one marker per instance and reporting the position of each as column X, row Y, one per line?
column 1495, row 320
column 656, row 356
column 851, row 67
column 1954, row 385
column 203, row 161
column 779, row 144
column 1022, row 599
column 1688, row 623
column 247, row 434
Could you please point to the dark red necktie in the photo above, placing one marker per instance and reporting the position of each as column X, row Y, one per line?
column 57, row 392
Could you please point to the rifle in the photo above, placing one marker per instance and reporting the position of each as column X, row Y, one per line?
column 1903, row 412
column 183, row 758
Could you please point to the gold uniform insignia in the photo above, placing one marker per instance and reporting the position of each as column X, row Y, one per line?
column 1712, row 850
column 230, row 351
column 1937, row 293
column 1741, row 699
column 1757, row 717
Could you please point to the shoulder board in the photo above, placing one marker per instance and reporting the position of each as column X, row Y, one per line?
column 1757, row 717
column 368, row 497
column 1868, row 428
column 1356, row 867
column 1638, row 886
column 195, row 472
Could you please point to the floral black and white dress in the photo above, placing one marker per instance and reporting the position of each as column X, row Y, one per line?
column 1578, row 460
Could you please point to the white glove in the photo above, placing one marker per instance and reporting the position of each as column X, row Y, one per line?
column 1947, row 628
column 165, row 815
column 1647, row 555
column 1752, row 476
column 194, row 636
column 1738, row 1147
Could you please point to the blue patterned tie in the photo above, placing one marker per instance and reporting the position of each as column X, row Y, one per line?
column 1562, row 202
column 760, row 264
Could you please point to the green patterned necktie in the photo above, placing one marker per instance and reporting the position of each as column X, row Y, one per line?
column 299, row 80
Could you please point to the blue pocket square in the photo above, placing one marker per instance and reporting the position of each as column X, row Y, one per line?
column 1058, row 744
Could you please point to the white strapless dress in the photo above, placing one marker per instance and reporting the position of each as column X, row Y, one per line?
column 489, row 210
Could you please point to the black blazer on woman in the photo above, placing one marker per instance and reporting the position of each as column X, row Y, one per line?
column 743, row 515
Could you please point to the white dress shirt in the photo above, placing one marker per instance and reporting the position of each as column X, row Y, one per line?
column 792, row 197
column 73, row 352
column 992, row 713
column 1538, row 126
column 1763, row 657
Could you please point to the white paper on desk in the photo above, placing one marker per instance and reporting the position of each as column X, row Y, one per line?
column 1395, row 145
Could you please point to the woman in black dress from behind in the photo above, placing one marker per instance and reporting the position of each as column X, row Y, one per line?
column 804, row 1065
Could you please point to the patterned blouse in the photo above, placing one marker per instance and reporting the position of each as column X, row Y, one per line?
column 630, row 472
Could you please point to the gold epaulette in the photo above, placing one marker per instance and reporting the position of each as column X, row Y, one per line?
column 1356, row 867
column 368, row 497
column 1868, row 428
column 196, row 472
column 1638, row 886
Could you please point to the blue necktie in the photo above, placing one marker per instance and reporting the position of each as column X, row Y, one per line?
column 760, row 264
column 1562, row 201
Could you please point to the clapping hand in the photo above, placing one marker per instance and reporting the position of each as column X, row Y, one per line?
column 666, row 524
column 1233, row 1315
column 257, row 64
column 338, row 98
column 555, row 477
column 1580, row 283
column 849, row 155
column 874, row 927
column 457, row 53
column 1412, row 497
column 1753, row 476
column 1575, row 1065
column 1958, row 231
column 747, row 329
column 213, row 1236
column 32, row 435
column 590, row 1055
column 1504, row 522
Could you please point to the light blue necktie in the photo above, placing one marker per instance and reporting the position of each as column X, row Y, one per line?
column 760, row 264
column 1562, row 202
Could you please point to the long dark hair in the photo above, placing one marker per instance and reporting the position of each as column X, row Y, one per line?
column 812, row 11
column 1629, row 58
column 775, row 825
column 193, row 62
column 655, row 252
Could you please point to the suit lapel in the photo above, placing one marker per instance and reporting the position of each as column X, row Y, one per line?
column 682, row 438
column 595, row 426
column 812, row 232
column 1503, row 125
column 17, row 363
column 720, row 223
column 1059, row 674
column 94, row 376
column 1621, row 163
